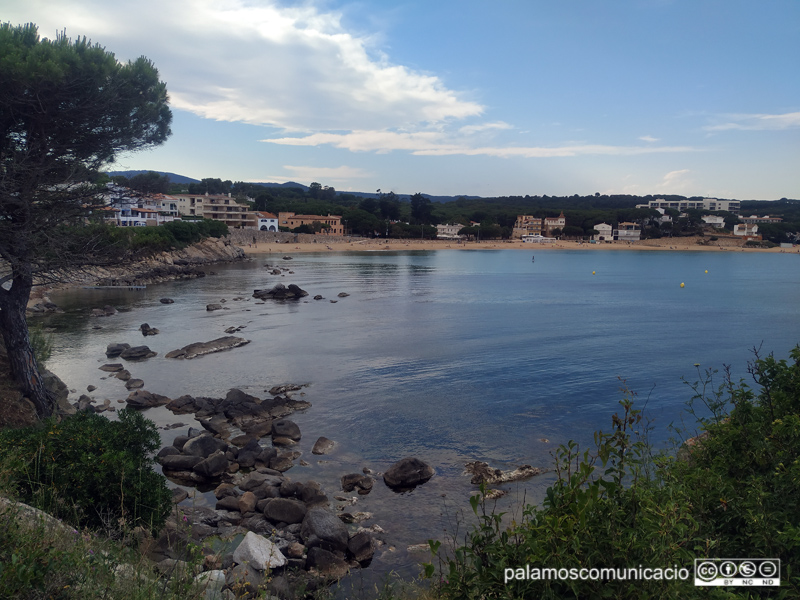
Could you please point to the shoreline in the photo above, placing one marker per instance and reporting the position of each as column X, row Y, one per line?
column 690, row 244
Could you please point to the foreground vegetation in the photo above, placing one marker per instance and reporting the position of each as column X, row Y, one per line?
column 731, row 492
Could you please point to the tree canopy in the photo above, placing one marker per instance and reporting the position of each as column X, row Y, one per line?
column 67, row 108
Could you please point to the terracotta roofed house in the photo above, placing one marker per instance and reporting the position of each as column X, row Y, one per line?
column 333, row 222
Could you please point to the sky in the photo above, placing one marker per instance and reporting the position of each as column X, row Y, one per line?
column 473, row 97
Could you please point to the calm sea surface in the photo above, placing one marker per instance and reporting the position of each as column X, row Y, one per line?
column 450, row 356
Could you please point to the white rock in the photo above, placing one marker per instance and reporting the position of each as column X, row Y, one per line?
column 213, row 582
column 259, row 553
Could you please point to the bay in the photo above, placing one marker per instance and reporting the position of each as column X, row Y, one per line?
column 450, row 356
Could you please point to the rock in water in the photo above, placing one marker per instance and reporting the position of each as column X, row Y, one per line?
column 202, row 348
column 137, row 353
column 407, row 473
column 280, row 292
column 322, row 446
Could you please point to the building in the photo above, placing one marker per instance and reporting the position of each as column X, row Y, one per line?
column 448, row 232
column 526, row 225
column 605, row 232
column 745, row 229
column 627, row 232
column 537, row 239
column 714, row 220
column 226, row 209
column 711, row 204
column 191, row 205
column 333, row 222
column 754, row 220
column 551, row 223
column 129, row 209
column 266, row 221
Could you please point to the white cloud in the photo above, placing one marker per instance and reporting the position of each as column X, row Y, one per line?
column 291, row 67
column 336, row 174
column 437, row 143
column 649, row 138
column 756, row 122
column 673, row 175
column 470, row 129
column 675, row 182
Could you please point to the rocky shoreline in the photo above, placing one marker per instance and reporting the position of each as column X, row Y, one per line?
column 188, row 263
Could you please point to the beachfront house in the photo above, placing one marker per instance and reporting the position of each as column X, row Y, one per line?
column 605, row 232
column 549, row 224
column 627, row 232
column 714, row 220
column 526, row 225
column 448, row 232
column 745, row 229
column 331, row 224
column 266, row 221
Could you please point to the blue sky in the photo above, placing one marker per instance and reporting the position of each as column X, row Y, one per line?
column 508, row 97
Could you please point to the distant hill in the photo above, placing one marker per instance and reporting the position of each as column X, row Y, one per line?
column 288, row 184
column 173, row 177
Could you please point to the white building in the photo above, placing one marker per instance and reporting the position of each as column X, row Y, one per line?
column 714, row 220
column 605, row 232
column 266, row 221
column 627, row 232
column 711, row 204
column 745, row 229
column 537, row 239
column 448, row 232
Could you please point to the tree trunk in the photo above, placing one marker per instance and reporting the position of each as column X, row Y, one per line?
column 21, row 360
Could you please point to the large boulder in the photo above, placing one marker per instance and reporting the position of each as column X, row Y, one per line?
column 324, row 529
column 137, row 353
column 326, row 563
column 361, row 546
column 179, row 462
column 113, row 350
column 203, row 446
column 284, row 428
column 213, row 466
column 322, row 446
column 145, row 399
column 407, row 473
column 285, row 510
column 259, row 553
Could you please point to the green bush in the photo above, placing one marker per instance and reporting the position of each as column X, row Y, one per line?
column 90, row 471
column 734, row 494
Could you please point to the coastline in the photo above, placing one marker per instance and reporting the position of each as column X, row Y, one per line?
column 690, row 244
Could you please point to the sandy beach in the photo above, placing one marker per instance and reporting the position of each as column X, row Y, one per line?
column 378, row 245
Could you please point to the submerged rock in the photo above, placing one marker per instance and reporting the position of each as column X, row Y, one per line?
column 202, row 348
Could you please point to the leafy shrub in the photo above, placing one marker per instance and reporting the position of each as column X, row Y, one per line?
column 91, row 471
column 733, row 494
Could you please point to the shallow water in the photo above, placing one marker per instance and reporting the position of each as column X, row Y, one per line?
column 449, row 356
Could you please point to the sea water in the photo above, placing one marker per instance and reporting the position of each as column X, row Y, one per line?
column 450, row 356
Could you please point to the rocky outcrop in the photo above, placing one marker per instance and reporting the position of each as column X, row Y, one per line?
column 281, row 292
column 482, row 473
column 188, row 263
column 201, row 348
